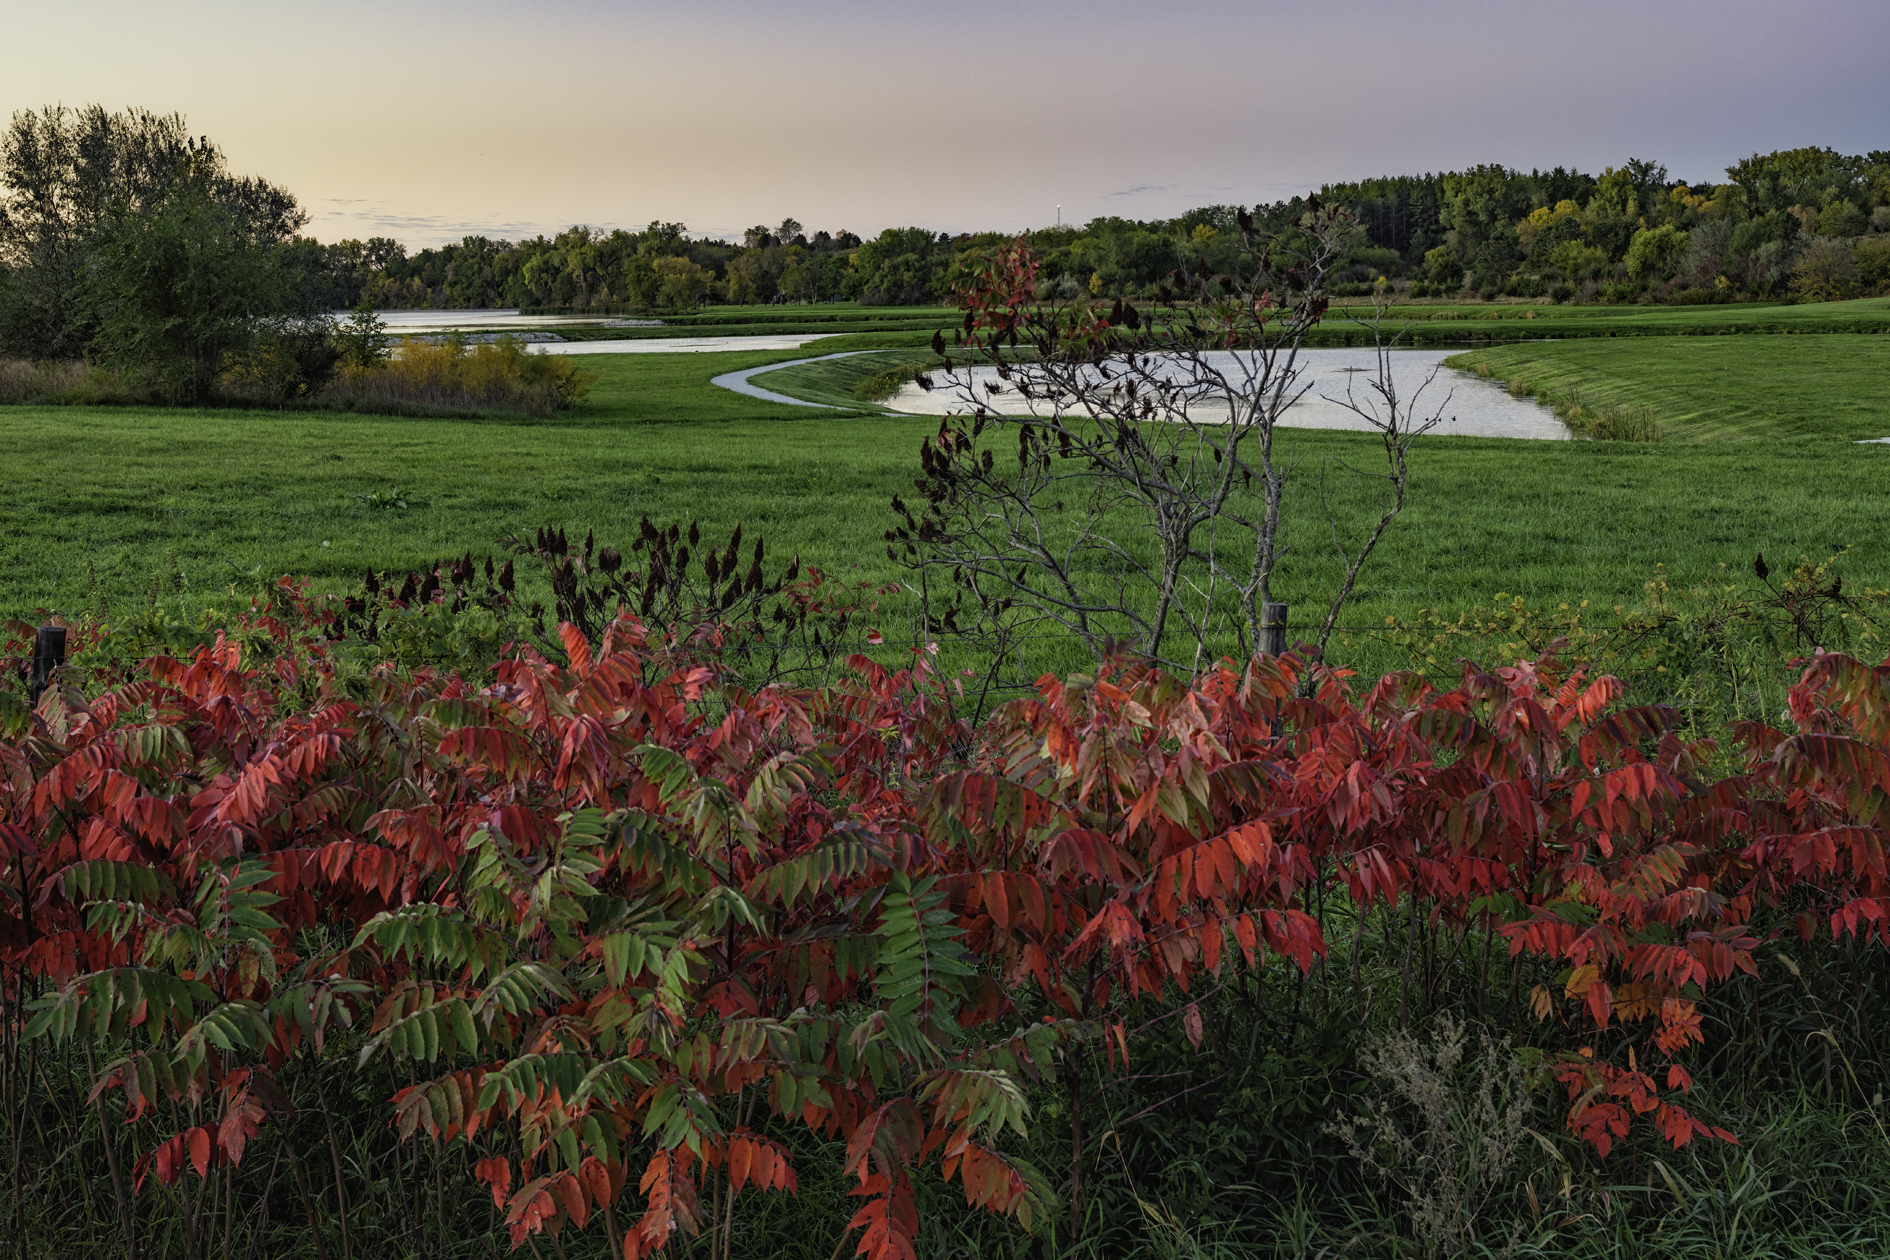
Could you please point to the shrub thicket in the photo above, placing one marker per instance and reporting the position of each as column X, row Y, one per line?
column 609, row 953
column 452, row 375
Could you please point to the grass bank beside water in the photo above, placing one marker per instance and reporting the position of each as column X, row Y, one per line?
column 1701, row 389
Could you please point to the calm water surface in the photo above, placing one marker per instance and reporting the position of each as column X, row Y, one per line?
column 1471, row 405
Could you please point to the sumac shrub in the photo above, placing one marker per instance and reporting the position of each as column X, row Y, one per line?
column 610, row 934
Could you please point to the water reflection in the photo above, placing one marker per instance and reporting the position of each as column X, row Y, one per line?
column 1472, row 406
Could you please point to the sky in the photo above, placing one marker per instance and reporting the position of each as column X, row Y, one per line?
column 427, row 121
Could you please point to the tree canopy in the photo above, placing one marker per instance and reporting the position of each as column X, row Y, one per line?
column 73, row 176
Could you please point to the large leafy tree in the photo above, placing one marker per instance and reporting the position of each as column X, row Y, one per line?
column 900, row 267
column 175, row 288
column 69, row 176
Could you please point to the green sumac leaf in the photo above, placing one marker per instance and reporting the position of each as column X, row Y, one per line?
column 437, row 935
column 585, row 826
column 232, row 1026
column 647, row 849
column 672, row 774
column 837, row 859
column 15, row 718
column 464, row 1030
column 115, row 881
column 624, row 956
column 520, row 989
column 533, row 1076
column 922, row 966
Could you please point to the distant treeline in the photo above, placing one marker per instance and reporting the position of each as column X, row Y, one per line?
column 1806, row 221
column 1792, row 220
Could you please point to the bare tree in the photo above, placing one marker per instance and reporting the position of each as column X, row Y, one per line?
column 1398, row 420
column 1142, row 504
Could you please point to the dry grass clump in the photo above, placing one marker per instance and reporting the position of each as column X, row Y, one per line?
column 886, row 384
column 1609, row 422
column 1446, row 1120
column 1625, row 423
column 65, row 382
column 454, row 376
column 1617, row 422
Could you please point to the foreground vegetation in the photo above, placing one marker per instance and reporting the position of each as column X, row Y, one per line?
column 378, row 964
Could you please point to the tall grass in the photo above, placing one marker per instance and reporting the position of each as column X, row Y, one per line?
column 67, row 382
column 452, row 375
column 449, row 377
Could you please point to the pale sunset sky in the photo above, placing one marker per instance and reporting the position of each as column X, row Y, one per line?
column 425, row 120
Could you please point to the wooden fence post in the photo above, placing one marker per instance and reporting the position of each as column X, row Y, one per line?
column 49, row 653
column 1273, row 629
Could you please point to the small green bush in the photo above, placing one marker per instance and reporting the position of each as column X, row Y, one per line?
column 1842, row 218
column 1442, row 266
column 287, row 360
column 1825, row 272
column 1655, row 251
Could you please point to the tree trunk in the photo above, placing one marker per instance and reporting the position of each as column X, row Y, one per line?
column 308, row 1200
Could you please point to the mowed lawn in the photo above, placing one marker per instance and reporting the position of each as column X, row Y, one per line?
column 1710, row 388
column 99, row 499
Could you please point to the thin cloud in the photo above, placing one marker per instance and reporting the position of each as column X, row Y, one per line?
column 339, row 217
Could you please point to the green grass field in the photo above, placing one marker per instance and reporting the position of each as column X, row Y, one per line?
column 1712, row 388
column 100, row 497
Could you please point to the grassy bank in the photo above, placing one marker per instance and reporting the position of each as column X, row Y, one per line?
column 1674, row 320
column 1700, row 389
column 855, row 381
column 1452, row 325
